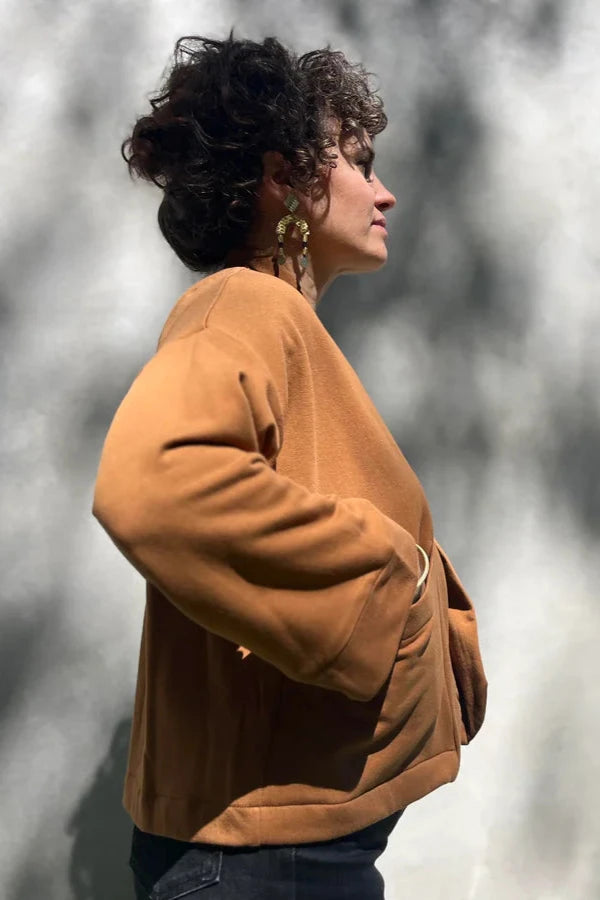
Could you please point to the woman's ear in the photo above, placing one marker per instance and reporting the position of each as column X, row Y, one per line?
column 276, row 172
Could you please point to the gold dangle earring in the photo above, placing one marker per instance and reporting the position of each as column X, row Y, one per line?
column 292, row 203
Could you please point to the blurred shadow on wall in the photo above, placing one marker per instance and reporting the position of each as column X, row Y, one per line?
column 349, row 16
column 20, row 641
column 544, row 26
column 101, row 828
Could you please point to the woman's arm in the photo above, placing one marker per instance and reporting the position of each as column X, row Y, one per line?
column 317, row 585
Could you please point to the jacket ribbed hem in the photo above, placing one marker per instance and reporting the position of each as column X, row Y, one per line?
column 178, row 818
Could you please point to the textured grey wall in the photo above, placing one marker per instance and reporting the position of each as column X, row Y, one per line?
column 492, row 152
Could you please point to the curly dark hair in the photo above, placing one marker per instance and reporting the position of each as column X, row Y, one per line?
column 219, row 111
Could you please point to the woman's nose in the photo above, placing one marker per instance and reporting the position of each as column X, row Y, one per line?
column 384, row 199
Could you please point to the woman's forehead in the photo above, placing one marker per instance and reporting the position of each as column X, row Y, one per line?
column 352, row 135
column 357, row 139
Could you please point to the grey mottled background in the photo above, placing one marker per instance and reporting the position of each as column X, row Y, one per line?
column 492, row 151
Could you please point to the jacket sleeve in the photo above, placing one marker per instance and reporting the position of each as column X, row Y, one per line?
column 316, row 585
column 465, row 654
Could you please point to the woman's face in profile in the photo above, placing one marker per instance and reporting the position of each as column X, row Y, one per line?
column 347, row 211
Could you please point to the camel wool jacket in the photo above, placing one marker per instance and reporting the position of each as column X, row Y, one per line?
column 290, row 687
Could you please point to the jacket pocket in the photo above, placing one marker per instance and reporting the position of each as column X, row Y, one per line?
column 168, row 869
column 467, row 667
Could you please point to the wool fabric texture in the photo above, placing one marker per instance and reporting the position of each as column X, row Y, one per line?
column 290, row 688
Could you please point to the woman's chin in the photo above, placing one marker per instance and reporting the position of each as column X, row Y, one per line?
column 375, row 259
column 366, row 260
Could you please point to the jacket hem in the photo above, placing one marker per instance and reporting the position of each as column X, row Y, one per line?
column 182, row 818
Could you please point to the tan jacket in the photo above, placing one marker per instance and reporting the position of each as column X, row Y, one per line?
column 289, row 688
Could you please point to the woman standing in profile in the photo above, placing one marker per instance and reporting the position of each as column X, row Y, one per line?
column 309, row 662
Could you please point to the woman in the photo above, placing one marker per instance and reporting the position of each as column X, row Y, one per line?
column 309, row 662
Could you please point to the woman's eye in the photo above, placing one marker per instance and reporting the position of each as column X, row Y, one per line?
column 367, row 168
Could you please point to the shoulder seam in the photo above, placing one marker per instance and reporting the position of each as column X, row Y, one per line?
column 234, row 271
column 171, row 320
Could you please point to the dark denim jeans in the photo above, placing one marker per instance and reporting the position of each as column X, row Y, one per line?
column 339, row 869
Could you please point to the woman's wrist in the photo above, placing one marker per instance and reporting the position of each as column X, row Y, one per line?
column 424, row 573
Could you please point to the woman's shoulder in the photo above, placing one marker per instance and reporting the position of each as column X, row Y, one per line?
column 242, row 288
column 241, row 301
